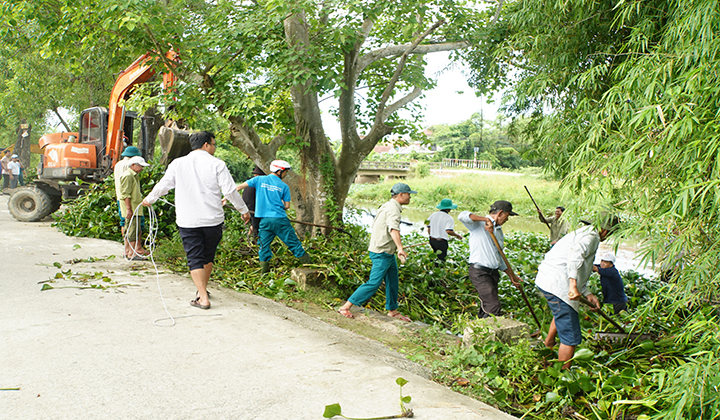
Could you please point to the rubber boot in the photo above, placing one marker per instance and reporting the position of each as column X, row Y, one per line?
column 264, row 267
column 306, row 259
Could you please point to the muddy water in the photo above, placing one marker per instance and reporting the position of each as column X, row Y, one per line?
column 626, row 258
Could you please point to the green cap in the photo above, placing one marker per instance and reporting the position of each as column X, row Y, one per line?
column 401, row 188
column 446, row 204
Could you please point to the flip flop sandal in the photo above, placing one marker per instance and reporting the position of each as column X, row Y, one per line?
column 401, row 317
column 197, row 304
column 346, row 313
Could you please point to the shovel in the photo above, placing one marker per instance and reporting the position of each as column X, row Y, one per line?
column 622, row 335
column 519, row 286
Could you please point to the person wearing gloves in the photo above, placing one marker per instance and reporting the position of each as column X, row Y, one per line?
column 613, row 289
column 384, row 241
column 440, row 227
column 485, row 260
column 562, row 278
column 272, row 199
column 200, row 181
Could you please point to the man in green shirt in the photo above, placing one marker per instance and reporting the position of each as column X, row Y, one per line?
column 384, row 241
column 130, row 198
column 558, row 227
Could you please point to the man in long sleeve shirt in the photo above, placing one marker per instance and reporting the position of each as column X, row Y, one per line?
column 562, row 277
column 485, row 259
column 200, row 181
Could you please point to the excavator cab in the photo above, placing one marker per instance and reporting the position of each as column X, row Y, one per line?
column 85, row 156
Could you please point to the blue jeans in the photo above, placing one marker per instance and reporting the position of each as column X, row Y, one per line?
column 384, row 268
column 567, row 320
column 270, row 227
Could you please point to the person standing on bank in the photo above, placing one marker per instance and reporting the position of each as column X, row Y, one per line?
column 6, row 174
column 384, row 241
column 485, row 260
column 562, row 277
column 441, row 226
column 200, row 181
column 120, row 168
column 248, row 196
column 272, row 199
column 131, row 197
column 14, row 168
column 558, row 227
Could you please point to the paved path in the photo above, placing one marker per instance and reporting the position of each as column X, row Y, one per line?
column 98, row 354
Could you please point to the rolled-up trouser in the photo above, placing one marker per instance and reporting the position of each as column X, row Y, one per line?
column 384, row 268
column 486, row 282
column 270, row 227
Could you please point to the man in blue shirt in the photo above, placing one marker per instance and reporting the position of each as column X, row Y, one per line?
column 613, row 289
column 272, row 199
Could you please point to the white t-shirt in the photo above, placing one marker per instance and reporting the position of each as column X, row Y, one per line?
column 440, row 223
column 14, row 167
column 5, row 160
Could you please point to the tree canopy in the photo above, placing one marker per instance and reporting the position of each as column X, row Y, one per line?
column 623, row 96
column 264, row 66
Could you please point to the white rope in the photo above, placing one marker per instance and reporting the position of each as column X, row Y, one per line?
column 149, row 245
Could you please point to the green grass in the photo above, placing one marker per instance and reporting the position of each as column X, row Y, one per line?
column 472, row 191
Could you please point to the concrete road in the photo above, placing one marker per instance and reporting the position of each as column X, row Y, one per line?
column 99, row 354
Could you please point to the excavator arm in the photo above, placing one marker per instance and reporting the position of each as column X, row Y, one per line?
column 139, row 71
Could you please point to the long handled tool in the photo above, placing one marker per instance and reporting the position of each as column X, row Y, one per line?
column 320, row 226
column 519, row 286
column 584, row 300
column 537, row 207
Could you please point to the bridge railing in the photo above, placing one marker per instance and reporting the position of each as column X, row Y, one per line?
column 446, row 163
column 366, row 164
column 466, row 163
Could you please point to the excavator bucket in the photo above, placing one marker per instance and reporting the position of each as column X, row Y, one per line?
column 174, row 143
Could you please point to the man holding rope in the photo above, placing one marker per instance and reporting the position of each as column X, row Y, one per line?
column 130, row 198
column 200, row 181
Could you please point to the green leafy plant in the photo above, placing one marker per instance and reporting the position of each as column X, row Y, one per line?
column 334, row 410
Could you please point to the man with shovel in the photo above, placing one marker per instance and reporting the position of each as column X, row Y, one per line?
column 485, row 259
column 562, row 278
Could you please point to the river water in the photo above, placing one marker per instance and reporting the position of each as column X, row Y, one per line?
column 626, row 258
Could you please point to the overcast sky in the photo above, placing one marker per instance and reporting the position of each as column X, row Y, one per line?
column 451, row 102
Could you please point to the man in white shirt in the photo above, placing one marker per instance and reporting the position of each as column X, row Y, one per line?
column 562, row 278
column 485, row 260
column 440, row 227
column 200, row 181
column 6, row 174
column 14, row 168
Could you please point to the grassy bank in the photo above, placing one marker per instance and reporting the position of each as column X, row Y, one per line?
column 476, row 191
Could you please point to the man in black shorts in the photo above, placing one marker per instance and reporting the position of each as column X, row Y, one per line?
column 200, row 181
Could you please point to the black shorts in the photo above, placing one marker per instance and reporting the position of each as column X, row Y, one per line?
column 200, row 244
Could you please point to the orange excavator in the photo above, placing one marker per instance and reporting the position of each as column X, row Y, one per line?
column 72, row 161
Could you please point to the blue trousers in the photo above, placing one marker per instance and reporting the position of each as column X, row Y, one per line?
column 270, row 227
column 384, row 268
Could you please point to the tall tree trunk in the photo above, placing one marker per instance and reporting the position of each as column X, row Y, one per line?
column 154, row 120
column 22, row 143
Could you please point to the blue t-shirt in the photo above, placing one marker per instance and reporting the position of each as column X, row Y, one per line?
column 613, row 289
column 270, row 192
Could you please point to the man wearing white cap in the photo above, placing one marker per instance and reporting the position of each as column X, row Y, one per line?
column 613, row 289
column 14, row 168
column 120, row 168
column 200, row 181
column 272, row 199
column 130, row 198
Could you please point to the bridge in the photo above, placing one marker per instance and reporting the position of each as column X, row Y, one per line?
column 370, row 171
